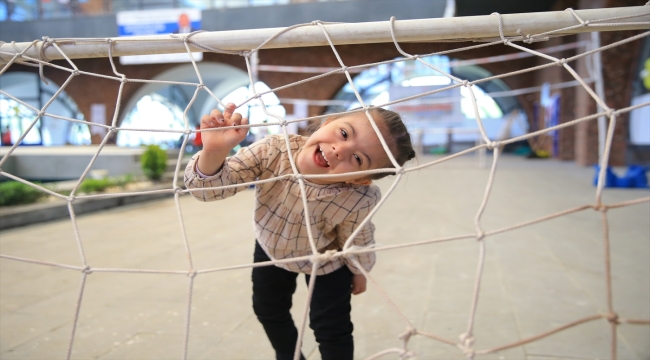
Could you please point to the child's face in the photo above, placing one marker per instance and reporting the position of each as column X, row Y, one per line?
column 343, row 145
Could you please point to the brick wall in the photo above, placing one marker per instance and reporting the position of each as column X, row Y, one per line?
column 578, row 143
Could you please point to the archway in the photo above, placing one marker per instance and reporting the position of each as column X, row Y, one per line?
column 501, row 114
column 161, row 106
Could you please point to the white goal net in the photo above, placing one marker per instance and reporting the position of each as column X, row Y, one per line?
column 516, row 31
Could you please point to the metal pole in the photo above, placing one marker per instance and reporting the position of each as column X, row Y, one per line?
column 600, row 91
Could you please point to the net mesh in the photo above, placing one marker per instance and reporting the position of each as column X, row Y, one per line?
column 466, row 341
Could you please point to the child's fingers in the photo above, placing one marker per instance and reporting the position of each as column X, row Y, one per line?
column 235, row 119
column 229, row 110
column 207, row 122
column 358, row 284
column 357, row 289
column 244, row 121
column 217, row 116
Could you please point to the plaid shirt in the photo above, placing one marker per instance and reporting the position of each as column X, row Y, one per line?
column 335, row 210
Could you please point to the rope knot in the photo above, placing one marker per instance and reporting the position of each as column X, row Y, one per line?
column 191, row 273
column 467, row 340
column 612, row 318
column 480, row 235
column 87, row 270
column 283, row 122
column 466, row 83
column 406, row 354
column 344, row 68
column 124, row 79
column 406, row 335
column 610, row 112
column 112, row 129
column 492, row 145
column 178, row 190
column 560, row 62
column 316, row 22
column 327, row 256
column 75, row 72
column 187, row 132
column 399, row 170
column 70, row 199
column 40, row 113
column 586, row 23
column 469, row 353
column 298, row 177
column 41, row 53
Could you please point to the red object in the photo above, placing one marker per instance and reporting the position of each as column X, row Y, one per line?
column 6, row 138
column 197, row 139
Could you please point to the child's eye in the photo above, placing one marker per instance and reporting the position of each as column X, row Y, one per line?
column 358, row 159
column 344, row 133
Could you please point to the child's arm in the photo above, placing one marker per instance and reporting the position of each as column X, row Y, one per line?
column 211, row 171
column 217, row 144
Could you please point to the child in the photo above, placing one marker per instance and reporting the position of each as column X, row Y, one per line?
column 337, row 206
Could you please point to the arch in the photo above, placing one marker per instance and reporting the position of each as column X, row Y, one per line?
column 224, row 77
column 473, row 72
column 388, row 82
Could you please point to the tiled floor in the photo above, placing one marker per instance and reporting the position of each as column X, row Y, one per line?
column 535, row 278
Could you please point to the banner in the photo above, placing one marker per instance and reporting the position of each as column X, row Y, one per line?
column 158, row 22
column 440, row 109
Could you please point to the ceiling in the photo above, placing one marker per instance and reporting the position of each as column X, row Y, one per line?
column 486, row 7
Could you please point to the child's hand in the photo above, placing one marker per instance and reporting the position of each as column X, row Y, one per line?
column 217, row 144
column 358, row 284
column 224, row 140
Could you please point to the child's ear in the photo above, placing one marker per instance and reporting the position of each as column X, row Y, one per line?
column 361, row 181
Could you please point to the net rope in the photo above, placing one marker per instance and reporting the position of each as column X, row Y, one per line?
column 466, row 340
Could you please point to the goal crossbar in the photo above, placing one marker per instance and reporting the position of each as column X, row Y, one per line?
column 473, row 28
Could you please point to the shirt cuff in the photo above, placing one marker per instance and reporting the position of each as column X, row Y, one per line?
column 199, row 173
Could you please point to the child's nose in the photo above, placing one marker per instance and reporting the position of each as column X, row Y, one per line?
column 339, row 150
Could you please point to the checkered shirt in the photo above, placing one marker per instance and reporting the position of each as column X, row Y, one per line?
column 335, row 210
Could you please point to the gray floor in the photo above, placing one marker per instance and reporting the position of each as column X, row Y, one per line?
column 536, row 278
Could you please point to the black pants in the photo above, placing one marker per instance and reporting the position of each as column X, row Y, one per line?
column 329, row 314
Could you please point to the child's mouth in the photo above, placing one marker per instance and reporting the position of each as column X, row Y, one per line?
column 320, row 159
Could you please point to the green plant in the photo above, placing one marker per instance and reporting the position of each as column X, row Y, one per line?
column 17, row 193
column 96, row 185
column 153, row 162
column 90, row 185
column 126, row 179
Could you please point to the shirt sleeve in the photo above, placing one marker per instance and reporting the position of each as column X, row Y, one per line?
column 245, row 166
column 366, row 236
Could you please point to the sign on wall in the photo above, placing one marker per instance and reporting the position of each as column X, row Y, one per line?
column 158, row 22
column 439, row 109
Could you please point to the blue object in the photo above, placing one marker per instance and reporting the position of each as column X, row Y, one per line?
column 634, row 178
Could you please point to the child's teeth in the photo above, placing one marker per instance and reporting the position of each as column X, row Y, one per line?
column 324, row 157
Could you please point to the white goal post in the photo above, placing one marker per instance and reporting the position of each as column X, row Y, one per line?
column 475, row 28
